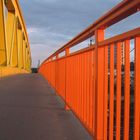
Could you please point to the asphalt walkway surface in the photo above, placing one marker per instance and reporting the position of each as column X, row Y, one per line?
column 30, row 110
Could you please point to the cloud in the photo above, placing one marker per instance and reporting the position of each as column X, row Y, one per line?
column 52, row 23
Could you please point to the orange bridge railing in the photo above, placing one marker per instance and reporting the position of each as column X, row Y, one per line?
column 99, row 83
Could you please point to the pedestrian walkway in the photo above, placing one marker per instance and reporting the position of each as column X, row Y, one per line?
column 30, row 110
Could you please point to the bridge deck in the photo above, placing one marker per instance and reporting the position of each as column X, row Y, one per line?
column 30, row 110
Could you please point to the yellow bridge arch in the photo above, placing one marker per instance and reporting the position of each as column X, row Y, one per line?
column 15, row 55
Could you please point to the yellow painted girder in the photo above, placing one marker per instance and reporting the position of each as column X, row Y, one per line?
column 2, row 34
column 14, row 45
column 20, row 49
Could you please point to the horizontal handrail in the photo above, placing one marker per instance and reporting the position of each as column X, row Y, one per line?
column 118, row 38
column 127, row 35
column 116, row 14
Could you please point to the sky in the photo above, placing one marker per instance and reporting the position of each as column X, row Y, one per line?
column 52, row 23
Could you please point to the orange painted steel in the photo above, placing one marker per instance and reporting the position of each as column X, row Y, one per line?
column 111, row 93
column 127, row 91
column 95, row 82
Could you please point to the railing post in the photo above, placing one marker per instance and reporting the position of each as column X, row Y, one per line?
column 67, row 54
column 99, row 85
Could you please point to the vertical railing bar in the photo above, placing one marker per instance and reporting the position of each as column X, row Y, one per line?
column 80, row 87
column 84, row 88
column 105, row 91
column 71, row 82
column 93, row 88
column 66, row 79
column 88, row 90
column 137, row 90
column 78, row 84
column 127, row 90
column 75, row 85
column 90, row 93
column 111, row 100
column 85, row 85
column 118, row 93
